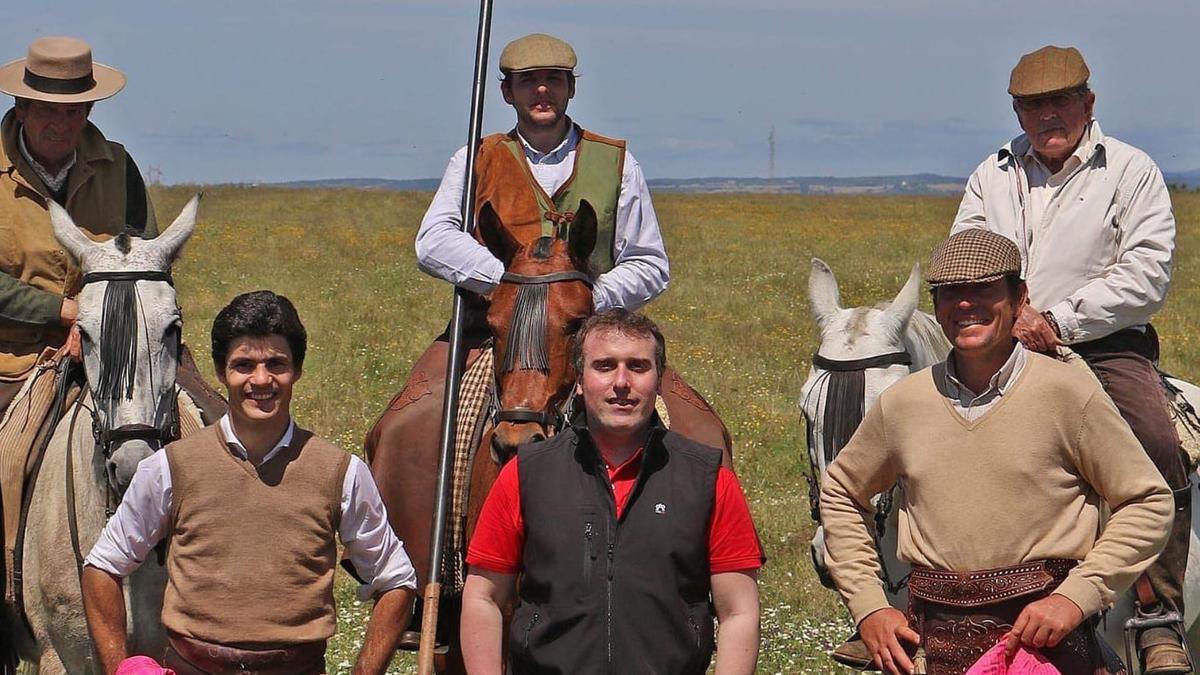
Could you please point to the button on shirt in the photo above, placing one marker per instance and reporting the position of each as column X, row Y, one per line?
column 970, row 405
column 640, row 272
column 143, row 519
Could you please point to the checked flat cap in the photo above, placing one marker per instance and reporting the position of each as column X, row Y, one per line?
column 1047, row 71
column 537, row 52
column 973, row 256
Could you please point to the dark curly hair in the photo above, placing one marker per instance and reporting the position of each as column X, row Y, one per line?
column 258, row 314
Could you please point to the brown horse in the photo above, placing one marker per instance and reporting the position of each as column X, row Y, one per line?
column 544, row 296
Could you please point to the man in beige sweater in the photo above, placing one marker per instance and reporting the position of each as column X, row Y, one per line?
column 1004, row 456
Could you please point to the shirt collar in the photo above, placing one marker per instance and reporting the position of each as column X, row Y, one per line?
column 235, row 446
column 558, row 154
column 1083, row 152
column 1000, row 382
column 53, row 181
column 1093, row 141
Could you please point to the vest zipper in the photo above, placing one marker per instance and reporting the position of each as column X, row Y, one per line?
column 608, row 615
column 695, row 628
column 589, row 553
column 529, row 628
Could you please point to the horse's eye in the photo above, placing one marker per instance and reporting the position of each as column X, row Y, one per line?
column 572, row 327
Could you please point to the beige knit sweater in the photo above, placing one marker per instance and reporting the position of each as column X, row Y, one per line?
column 1024, row 482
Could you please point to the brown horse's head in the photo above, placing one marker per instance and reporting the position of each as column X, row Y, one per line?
column 545, row 295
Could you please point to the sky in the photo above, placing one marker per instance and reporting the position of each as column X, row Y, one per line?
column 280, row 90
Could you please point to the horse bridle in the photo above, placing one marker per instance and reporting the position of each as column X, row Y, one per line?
column 550, row 417
column 107, row 438
column 850, row 377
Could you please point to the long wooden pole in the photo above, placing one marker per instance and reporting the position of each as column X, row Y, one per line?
column 455, row 362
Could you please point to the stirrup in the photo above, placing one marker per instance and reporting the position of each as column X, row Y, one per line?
column 1143, row 620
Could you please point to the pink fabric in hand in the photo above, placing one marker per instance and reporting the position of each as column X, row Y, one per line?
column 142, row 665
column 1025, row 662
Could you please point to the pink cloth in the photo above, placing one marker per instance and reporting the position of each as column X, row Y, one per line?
column 1024, row 662
column 142, row 665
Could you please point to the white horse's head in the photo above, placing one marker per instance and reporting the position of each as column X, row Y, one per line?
column 130, row 325
column 867, row 348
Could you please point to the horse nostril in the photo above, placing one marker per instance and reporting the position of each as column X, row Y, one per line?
column 537, row 436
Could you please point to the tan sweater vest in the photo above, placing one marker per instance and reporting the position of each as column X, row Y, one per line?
column 253, row 551
column 1024, row 482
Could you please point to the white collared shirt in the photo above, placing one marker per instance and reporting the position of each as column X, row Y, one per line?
column 971, row 405
column 143, row 519
column 53, row 181
column 1097, row 243
column 640, row 272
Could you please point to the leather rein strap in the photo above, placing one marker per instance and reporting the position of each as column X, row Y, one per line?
column 880, row 361
column 539, row 279
column 132, row 275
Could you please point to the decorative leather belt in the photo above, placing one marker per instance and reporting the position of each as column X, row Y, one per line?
column 307, row 657
column 985, row 587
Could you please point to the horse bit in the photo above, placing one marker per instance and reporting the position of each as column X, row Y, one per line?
column 551, row 417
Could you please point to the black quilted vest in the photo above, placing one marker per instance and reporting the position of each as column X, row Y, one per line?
column 598, row 595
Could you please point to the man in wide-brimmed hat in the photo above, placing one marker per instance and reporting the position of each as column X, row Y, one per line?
column 49, row 151
column 1092, row 219
column 1004, row 456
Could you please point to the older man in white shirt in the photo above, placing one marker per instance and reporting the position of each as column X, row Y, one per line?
column 1093, row 221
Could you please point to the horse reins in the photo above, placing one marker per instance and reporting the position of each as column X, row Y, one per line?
column 551, row 417
column 846, row 394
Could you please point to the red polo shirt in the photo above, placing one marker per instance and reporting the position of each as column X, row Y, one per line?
column 499, row 537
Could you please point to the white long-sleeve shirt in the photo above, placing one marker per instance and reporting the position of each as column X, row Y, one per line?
column 1097, row 239
column 640, row 272
column 143, row 519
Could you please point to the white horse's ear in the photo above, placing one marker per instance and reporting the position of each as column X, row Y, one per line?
column 67, row 233
column 823, row 295
column 906, row 301
column 173, row 238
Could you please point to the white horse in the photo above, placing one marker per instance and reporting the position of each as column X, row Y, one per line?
column 857, row 334
column 130, row 324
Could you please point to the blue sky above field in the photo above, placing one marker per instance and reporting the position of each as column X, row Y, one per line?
column 275, row 90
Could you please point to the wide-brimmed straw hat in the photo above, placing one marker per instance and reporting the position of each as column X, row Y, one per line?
column 973, row 256
column 60, row 70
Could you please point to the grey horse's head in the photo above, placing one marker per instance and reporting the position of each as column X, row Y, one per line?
column 130, row 329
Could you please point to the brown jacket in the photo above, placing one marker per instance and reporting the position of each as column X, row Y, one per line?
column 104, row 191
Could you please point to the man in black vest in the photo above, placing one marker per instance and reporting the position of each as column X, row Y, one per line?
column 626, row 535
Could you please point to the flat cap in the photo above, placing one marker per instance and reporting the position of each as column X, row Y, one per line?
column 1048, row 70
column 537, row 51
column 973, row 256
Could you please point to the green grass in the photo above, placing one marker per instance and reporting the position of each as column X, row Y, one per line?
column 736, row 319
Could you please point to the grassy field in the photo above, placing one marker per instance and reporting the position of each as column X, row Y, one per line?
column 736, row 319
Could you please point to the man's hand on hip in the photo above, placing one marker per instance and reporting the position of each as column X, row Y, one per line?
column 1044, row 623
column 1032, row 329
column 882, row 631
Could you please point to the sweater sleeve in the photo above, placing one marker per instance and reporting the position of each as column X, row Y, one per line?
column 863, row 469
column 1110, row 458
column 22, row 303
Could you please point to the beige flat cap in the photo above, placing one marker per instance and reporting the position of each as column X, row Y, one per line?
column 60, row 70
column 537, row 52
column 1047, row 71
column 973, row 256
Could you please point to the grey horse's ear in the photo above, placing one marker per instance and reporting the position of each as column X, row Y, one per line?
column 906, row 301
column 823, row 295
column 67, row 233
column 171, row 241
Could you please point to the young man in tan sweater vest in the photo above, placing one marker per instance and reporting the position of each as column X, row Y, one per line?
column 1004, row 456
column 253, row 508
